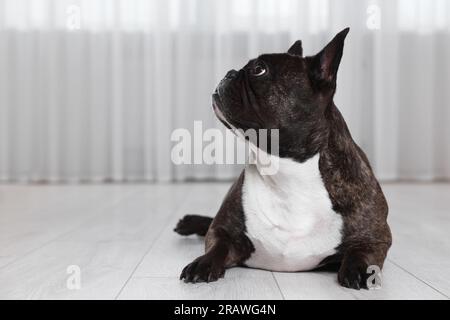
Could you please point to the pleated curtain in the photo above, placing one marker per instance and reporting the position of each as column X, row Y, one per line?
column 91, row 91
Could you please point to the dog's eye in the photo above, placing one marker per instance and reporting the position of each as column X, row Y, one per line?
column 258, row 69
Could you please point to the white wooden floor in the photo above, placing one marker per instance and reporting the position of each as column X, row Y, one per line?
column 121, row 238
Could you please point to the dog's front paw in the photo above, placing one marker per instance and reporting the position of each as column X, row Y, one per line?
column 353, row 274
column 202, row 269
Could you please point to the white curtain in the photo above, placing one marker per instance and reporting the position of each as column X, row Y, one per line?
column 92, row 90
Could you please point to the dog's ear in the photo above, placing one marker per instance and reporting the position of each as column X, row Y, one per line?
column 296, row 49
column 325, row 64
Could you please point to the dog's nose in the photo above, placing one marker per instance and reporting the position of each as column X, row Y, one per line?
column 232, row 74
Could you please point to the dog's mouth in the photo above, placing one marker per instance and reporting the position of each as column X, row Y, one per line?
column 219, row 114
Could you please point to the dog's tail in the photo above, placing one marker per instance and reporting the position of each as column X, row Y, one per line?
column 193, row 224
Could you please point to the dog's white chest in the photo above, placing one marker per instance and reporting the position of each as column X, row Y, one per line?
column 289, row 217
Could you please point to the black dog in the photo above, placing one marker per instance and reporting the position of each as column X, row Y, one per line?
column 323, row 206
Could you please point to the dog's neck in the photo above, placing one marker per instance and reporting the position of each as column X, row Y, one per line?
column 331, row 133
column 282, row 172
column 334, row 137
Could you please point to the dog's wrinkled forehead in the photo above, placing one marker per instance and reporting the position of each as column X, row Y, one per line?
column 277, row 62
column 270, row 71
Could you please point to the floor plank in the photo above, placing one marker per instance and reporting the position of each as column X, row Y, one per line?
column 107, row 249
column 121, row 237
column 420, row 222
column 239, row 283
column 396, row 284
column 311, row 286
column 31, row 216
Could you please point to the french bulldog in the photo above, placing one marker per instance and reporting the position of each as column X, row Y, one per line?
column 323, row 207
